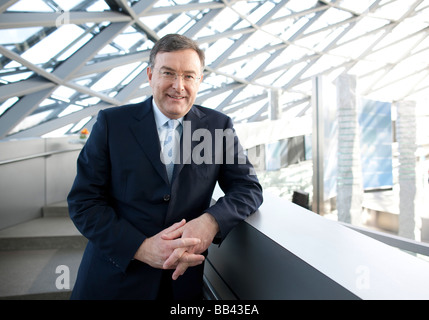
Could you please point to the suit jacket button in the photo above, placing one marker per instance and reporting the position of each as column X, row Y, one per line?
column 166, row 197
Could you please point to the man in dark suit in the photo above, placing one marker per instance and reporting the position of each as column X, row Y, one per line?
column 148, row 232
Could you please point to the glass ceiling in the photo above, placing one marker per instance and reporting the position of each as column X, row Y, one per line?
column 62, row 61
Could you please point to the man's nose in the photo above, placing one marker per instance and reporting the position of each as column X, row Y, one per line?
column 179, row 83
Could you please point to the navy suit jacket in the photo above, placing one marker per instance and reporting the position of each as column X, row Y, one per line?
column 121, row 195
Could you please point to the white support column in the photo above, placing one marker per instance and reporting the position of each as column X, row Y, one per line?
column 409, row 221
column 275, row 106
column 324, row 145
column 349, row 179
column 317, row 147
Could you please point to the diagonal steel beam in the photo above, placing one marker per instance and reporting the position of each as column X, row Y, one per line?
column 332, row 44
column 20, row 109
column 61, row 74
column 184, row 8
column 112, row 62
column 387, row 30
column 141, row 7
column 11, row 20
column 4, row 4
column 86, row 52
column 209, row 16
column 126, row 92
column 53, row 77
column 48, row 126
column 24, row 87
column 236, row 92
column 224, row 57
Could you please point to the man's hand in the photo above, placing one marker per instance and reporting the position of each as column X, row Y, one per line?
column 204, row 228
column 157, row 249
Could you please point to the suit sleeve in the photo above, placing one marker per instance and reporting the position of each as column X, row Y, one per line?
column 88, row 201
column 237, row 179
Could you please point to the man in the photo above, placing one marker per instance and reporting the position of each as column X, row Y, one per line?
column 149, row 233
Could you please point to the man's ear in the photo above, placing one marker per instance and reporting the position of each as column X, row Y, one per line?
column 149, row 74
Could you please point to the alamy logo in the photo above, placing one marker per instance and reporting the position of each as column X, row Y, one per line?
column 202, row 146
column 63, row 280
column 62, row 19
column 362, row 277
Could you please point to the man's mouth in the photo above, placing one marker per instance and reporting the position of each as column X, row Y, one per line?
column 176, row 97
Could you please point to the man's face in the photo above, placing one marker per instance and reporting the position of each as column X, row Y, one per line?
column 175, row 96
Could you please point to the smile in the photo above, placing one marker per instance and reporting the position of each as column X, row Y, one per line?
column 176, row 97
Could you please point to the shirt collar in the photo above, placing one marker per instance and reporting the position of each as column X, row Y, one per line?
column 160, row 118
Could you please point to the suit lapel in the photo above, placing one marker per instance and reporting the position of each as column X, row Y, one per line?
column 145, row 132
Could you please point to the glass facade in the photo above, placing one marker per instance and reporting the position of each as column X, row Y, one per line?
column 62, row 61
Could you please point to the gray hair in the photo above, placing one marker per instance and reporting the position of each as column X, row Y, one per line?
column 175, row 42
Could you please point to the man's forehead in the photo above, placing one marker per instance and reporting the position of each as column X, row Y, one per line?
column 172, row 59
column 167, row 68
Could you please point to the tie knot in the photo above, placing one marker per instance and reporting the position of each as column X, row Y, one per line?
column 172, row 123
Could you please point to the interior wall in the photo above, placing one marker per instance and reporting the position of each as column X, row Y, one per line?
column 34, row 173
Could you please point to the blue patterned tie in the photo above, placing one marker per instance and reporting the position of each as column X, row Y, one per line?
column 170, row 146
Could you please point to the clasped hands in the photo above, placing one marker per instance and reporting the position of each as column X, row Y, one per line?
column 179, row 246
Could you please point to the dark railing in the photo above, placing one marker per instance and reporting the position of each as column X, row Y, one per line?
column 284, row 251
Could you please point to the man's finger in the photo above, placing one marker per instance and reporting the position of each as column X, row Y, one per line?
column 174, row 226
column 173, row 258
column 191, row 260
column 184, row 242
column 179, row 246
column 181, row 268
column 182, row 256
column 172, row 234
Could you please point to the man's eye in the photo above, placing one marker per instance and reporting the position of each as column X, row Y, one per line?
column 168, row 73
column 189, row 77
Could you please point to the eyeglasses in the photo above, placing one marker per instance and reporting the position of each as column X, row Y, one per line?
column 172, row 76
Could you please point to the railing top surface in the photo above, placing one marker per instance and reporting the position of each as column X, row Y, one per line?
column 367, row 267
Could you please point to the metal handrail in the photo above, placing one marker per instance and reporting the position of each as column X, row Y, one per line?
column 38, row 155
column 393, row 240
